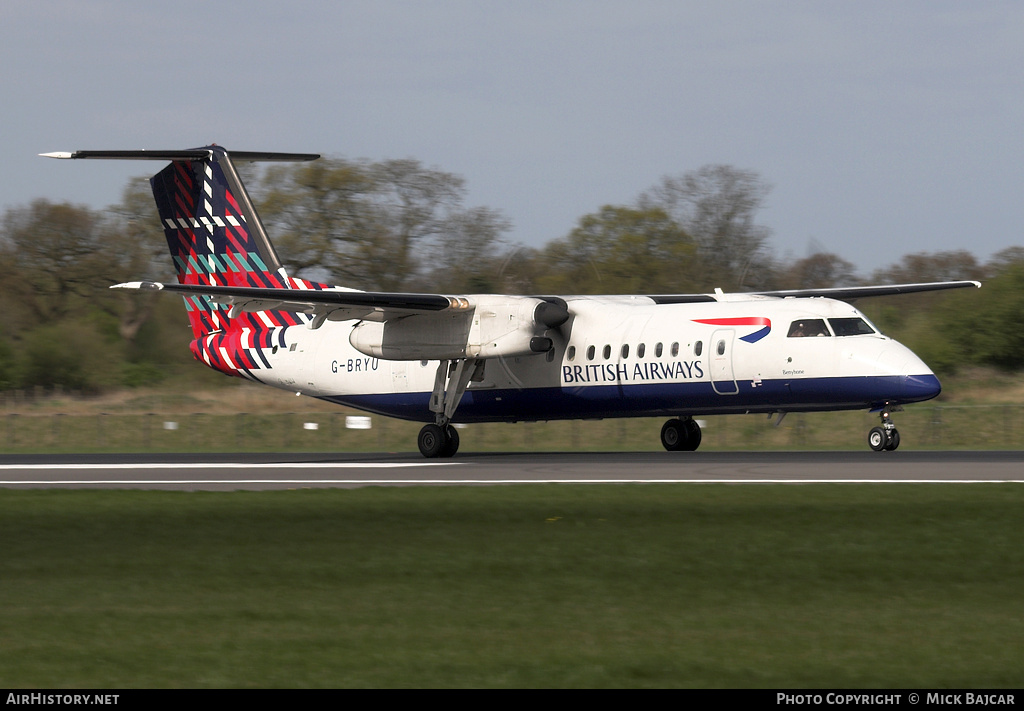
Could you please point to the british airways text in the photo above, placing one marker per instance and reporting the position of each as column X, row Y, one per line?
column 622, row 372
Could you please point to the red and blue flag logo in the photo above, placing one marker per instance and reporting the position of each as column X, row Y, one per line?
column 765, row 323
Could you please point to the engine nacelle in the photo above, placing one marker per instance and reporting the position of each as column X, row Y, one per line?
column 493, row 326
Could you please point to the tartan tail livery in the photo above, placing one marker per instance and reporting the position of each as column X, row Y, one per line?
column 442, row 359
column 216, row 239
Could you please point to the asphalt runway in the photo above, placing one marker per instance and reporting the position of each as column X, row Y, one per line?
column 227, row 472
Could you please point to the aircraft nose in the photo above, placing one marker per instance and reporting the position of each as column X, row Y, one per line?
column 920, row 387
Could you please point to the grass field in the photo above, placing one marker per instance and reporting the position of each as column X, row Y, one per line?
column 550, row 586
column 980, row 410
column 273, row 430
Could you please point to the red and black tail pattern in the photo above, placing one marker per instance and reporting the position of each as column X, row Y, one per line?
column 215, row 238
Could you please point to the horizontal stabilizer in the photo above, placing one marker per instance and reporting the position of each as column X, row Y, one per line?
column 191, row 154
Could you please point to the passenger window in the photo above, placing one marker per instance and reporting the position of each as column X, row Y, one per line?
column 675, row 350
column 721, row 348
column 625, row 351
column 571, row 355
column 590, row 352
column 657, row 351
column 640, row 350
column 698, row 347
column 808, row 327
column 607, row 352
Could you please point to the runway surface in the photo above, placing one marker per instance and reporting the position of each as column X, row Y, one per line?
column 226, row 472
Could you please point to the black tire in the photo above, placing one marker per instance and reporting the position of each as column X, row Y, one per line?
column 894, row 441
column 693, row 435
column 431, row 441
column 673, row 435
column 451, row 444
column 877, row 439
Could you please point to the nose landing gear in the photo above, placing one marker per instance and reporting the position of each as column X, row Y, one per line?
column 884, row 438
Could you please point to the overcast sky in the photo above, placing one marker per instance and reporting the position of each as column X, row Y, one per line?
column 885, row 128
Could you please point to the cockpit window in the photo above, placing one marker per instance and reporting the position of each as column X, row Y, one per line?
column 850, row 326
column 808, row 327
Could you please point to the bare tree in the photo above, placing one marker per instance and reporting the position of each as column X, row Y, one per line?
column 819, row 271
column 370, row 225
column 717, row 206
column 932, row 266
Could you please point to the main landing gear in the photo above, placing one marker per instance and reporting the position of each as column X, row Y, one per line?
column 884, row 438
column 438, row 441
column 682, row 435
column 450, row 382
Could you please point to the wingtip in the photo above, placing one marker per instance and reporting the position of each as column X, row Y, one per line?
column 58, row 154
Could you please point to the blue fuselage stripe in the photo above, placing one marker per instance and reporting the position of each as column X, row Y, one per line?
column 657, row 399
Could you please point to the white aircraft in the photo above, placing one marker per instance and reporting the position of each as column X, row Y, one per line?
column 498, row 358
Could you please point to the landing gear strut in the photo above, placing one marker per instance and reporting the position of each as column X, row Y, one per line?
column 681, row 435
column 884, row 438
column 450, row 382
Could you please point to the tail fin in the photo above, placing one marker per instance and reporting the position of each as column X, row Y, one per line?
column 216, row 237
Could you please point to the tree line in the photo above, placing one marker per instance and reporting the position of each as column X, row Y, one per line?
column 397, row 225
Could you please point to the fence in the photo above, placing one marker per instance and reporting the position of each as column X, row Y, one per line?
column 949, row 427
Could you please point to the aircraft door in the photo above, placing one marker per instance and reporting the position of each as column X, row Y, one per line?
column 720, row 356
column 399, row 376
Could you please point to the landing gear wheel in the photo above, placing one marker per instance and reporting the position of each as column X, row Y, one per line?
column 877, row 439
column 693, row 435
column 674, row 435
column 894, row 440
column 437, row 441
column 451, row 442
column 431, row 441
column 680, row 435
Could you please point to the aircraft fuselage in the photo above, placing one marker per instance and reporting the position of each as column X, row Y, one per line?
column 630, row 357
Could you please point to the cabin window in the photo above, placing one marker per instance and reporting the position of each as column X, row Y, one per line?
column 625, row 351
column 571, row 354
column 675, row 350
column 590, row 352
column 658, row 349
column 640, row 350
column 721, row 347
column 607, row 353
column 698, row 348
column 807, row 327
column 850, row 326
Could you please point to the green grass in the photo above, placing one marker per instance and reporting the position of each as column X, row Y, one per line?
column 922, row 427
column 553, row 586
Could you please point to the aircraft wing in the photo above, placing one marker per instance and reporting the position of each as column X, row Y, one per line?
column 345, row 304
column 338, row 304
column 845, row 293
column 858, row 292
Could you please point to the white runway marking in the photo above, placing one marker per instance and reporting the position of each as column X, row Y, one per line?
column 507, row 481
column 230, row 465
